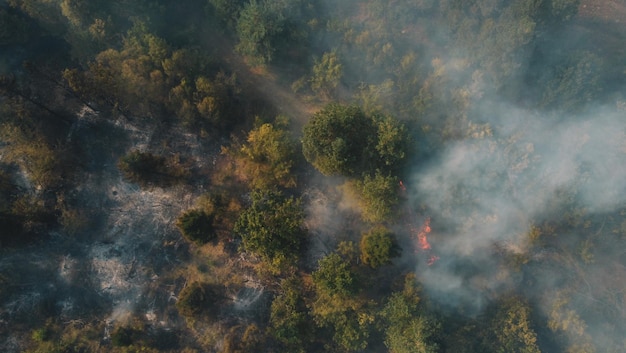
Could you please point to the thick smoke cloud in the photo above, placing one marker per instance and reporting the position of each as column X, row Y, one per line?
column 492, row 190
column 484, row 195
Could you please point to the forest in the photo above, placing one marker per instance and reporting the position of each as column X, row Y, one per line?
column 233, row 176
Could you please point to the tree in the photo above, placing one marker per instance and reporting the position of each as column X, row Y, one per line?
column 226, row 11
column 268, row 157
column 392, row 142
column 327, row 73
column 197, row 226
column 13, row 28
column 258, row 26
column 377, row 195
column 335, row 277
column 343, row 140
column 248, row 339
column 573, row 82
column 563, row 10
column 272, row 228
column 407, row 329
column 513, row 328
column 268, row 29
column 339, row 140
column 378, row 247
column 413, row 336
column 337, row 305
column 289, row 321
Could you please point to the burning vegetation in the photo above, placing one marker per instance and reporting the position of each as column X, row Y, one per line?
column 164, row 193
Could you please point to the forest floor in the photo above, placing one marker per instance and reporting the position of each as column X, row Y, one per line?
column 265, row 81
column 601, row 24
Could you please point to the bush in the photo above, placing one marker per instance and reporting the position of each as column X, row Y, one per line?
column 196, row 226
column 147, row 169
column 124, row 336
column 377, row 247
column 378, row 196
column 200, row 300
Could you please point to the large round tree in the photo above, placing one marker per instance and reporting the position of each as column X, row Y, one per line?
column 343, row 140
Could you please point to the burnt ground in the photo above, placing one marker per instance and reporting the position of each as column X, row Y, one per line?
column 117, row 265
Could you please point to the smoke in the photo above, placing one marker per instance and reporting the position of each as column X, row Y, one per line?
column 533, row 167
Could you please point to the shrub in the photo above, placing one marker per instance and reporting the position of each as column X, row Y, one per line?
column 197, row 226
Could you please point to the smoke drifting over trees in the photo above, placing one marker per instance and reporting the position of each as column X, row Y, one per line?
column 312, row 176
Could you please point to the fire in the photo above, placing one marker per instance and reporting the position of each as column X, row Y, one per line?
column 432, row 259
column 422, row 240
column 422, row 235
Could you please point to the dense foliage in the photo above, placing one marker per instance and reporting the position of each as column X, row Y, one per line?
column 271, row 227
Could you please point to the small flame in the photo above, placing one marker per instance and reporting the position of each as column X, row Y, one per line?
column 432, row 259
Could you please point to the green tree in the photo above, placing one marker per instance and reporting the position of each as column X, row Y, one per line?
column 413, row 336
column 573, row 82
column 337, row 305
column 13, row 28
column 563, row 10
column 248, row 339
column 378, row 247
column 226, row 11
column 272, row 228
column 392, row 142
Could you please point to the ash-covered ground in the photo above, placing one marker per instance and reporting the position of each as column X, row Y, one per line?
column 116, row 265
